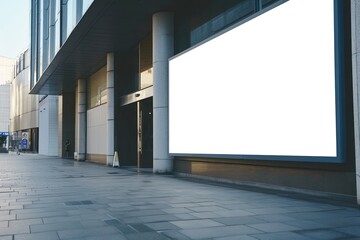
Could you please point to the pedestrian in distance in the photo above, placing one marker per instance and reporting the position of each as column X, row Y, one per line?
column 67, row 147
column 17, row 149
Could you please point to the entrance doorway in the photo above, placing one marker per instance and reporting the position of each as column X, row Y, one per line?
column 145, row 134
column 135, row 132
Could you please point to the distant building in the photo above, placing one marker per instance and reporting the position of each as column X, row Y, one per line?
column 6, row 70
column 232, row 90
column 24, row 123
column 33, row 118
column 6, row 75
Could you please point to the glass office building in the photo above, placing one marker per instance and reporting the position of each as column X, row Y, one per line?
column 235, row 90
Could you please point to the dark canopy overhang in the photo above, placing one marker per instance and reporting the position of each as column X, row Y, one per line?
column 107, row 26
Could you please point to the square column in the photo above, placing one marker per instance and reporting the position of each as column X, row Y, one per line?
column 66, row 125
column 81, row 121
column 163, row 48
column 110, row 108
column 355, row 31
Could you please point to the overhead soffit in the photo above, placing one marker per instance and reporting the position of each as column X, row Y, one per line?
column 107, row 26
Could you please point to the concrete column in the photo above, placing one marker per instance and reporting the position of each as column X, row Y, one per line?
column 355, row 30
column 163, row 48
column 110, row 108
column 81, row 121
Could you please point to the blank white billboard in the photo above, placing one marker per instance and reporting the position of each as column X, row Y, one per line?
column 265, row 87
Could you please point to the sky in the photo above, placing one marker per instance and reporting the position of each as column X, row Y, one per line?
column 14, row 27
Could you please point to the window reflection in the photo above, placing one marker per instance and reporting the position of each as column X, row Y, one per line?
column 86, row 5
column 57, row 26
column 52, row 22
column 266, row 3
column 71, row 16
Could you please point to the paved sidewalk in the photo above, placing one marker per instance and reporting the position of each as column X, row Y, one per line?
column 44, row 198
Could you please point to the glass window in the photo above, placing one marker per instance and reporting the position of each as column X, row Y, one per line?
column 57, row 26
column 40, row 38
column 86, row 5
column 71, row 16
column 33, row 42
column 24, row 60
column 45, row 36
column 52, row 17
column 17, row 67
column 266, row 3
column 218, row 16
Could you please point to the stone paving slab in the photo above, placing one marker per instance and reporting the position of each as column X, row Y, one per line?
column 47, row 198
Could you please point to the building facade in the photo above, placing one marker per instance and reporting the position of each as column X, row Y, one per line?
column 24, row 122
column 115, row 66
column 33, row 118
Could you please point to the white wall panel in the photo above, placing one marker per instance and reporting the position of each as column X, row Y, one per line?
column 48, row 126
column 96, row 130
